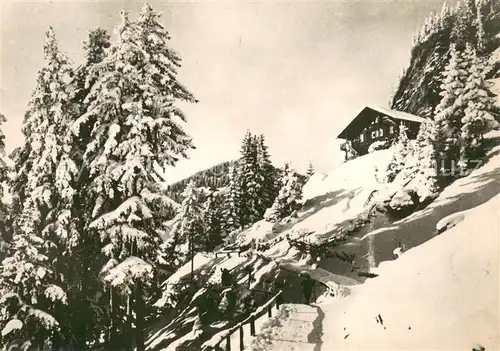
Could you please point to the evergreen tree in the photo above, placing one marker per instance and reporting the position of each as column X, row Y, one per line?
column 136, row 126
column 187, row 232
column 310, row 171
column 266, row 178
column 249, row 187
column 464, row 31
column 94, row 47
column 287, row 201
column 481, row 35
column 400, row 151
column 5, row 232
column 420, row 170
column 231, row 206
column 37, row 272
column 87, row 262
column 213, row 220
column 477, row 119
column 449, row 112
column 445, row 17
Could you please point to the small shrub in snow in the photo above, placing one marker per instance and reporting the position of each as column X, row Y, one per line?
column 378, row 145
column 401, row 199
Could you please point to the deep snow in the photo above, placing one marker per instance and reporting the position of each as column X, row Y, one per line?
column 443, row 291
column 440, row 295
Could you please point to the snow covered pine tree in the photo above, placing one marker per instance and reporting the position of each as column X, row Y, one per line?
column 231, row 207
column 247, row 181
column 420, row 170
column 287, row 201
column 266, row 177
column 187, row 231
column 400, row 151
column 477, row 119
column 212, row 219
column 35, row 277
column 5, row 231
column 136, row 126
column 448, row 115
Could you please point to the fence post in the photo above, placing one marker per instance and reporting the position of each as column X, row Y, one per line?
column 252, row 327
column 228, row 343
column 269, row 311
column 242, row 345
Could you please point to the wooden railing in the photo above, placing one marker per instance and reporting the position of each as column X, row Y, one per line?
column 370, row 197
column 232, row 249
column 219, row 338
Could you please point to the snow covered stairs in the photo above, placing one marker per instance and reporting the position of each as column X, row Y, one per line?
column 300, row 330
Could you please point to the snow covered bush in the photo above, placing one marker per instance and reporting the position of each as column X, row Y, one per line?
column 401, row 200
column 378, row 145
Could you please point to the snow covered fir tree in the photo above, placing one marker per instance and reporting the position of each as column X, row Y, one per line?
column 104, row 246
column 289, row 196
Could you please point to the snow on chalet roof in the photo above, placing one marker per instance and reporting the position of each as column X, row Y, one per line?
column 370, row 111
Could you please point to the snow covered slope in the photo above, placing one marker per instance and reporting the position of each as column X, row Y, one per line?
column 351, row 175
column 330, row 201
column 441, row 295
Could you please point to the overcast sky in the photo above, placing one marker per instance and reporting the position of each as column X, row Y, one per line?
column 295, row 71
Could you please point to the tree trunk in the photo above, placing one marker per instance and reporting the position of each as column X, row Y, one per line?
column 139, row 318
column 82, row 309
column 128, row 335
column 114, row 335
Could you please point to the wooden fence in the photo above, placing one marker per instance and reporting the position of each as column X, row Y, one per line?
column 218, row 339
column 370, row 197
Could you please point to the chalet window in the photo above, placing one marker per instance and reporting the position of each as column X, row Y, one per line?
column 362, row 137
column 377, row 133
column 391, row 129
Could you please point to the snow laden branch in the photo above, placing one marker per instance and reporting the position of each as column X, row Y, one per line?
column 126, row 274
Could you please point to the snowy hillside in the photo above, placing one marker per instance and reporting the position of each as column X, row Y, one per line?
column 440, row 295
column 334, row 202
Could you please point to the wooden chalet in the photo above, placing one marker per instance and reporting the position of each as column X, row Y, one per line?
column 377, row 124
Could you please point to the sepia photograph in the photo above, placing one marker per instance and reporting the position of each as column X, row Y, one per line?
column 229, row 175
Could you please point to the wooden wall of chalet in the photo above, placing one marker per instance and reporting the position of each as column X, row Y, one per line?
column 382, row 128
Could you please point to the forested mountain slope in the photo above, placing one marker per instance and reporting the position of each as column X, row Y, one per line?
column 419, row 87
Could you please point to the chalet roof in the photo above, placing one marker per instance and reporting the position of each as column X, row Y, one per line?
column 367, row 114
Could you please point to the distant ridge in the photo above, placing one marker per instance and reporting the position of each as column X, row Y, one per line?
column 213, row 177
